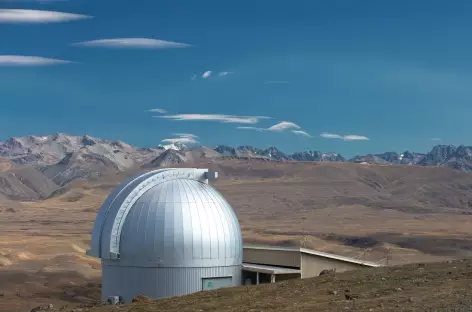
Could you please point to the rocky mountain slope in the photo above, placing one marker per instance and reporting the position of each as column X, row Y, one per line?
column 33, row 167
column 456, row 157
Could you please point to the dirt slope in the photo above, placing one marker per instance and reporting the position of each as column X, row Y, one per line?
column 417, row 214
column 417, row 287
column 25, row 183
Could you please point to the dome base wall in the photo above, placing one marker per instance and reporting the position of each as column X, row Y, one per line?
column 158, row 283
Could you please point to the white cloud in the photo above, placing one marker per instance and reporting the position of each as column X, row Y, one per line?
column 225, row 73
column 185, row 135
column 330, row 136
column 301, row 132
column 20, row 60
column 281, row 126
column 353, row 137
column 37, row 16
column 182, row 138
column 252, row 128
column 137, row 43
column 216, row 117
column 206, row 74
column 349, row 137
column 277, row 82
column 158, row 110
column 284, row 125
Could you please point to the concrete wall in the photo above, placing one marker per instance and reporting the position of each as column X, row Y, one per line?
column 272, row 257
column 312, row 265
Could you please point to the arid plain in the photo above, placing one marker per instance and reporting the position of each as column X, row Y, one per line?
column 387, row 214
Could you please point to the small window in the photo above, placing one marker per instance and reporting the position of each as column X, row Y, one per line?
column 216, row 282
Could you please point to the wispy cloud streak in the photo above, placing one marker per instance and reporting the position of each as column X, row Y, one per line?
column 133, row 43
column 206, row 74
column 225, row 73
column 215, row 117
column 158, row 110
column 301, row 132
column 349, row 137
column 251, row 128
column 21, row 60
column 182, row 138
column 37, row 16
column 284, row 125
column 279, row 127
column 185, row 135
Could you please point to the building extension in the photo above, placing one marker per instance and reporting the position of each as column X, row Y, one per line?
column 167, row 233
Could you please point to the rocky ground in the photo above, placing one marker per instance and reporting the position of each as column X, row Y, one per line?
column 417, row 214
column 445, row 286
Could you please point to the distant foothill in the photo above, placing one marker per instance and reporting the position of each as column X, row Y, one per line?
column 38, row 167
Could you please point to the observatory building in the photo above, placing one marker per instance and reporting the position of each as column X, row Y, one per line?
column 167, row 233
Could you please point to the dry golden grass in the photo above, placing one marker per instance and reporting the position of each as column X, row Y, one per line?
column 419, row 214
column 5, row 164
column 430, row 287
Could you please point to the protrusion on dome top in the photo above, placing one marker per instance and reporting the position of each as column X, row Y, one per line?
column 167, row 233
column 211, row 175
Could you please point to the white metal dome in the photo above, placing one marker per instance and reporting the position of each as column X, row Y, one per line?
column 166, row 219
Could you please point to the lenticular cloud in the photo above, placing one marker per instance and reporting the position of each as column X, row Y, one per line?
column 37, row 16
column 136, row 43
column 20, row 60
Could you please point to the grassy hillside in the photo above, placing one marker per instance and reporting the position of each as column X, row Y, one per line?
column 443, row 286
column 409, row 213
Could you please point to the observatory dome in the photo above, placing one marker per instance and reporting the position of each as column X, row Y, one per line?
column 166, row 233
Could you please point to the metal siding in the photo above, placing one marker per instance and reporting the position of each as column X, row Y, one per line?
column 218, row 233
column 202, row 219
column 216, row 282
column 178, row 239
column 163, row 225
column 113, row 211
column 168, row 250
column 222, row 232
column 189, row 234
column 121, row 205
column 313, row 265
column 273, row 257
column 171, row 229
column 156, row 283
column 196, row 231
column 233, row 237
column 160, row 231
column 226, row 227
column 107, row 208
column 150, row 233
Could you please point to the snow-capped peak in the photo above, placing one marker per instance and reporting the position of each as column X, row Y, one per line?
column 173, row 146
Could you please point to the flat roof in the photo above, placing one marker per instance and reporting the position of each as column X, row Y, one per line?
column 269, row 269
column 316, row 253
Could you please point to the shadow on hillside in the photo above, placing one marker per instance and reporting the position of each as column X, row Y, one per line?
column 25, row 290
column 433, row 245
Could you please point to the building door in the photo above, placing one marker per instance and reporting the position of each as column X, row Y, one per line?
column 216, row 282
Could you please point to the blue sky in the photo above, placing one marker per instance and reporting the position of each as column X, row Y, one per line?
column 395, row 72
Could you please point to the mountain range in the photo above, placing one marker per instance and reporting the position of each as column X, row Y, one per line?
column 35, row 167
